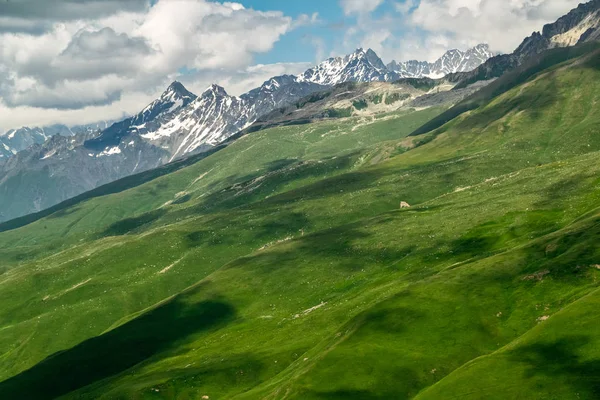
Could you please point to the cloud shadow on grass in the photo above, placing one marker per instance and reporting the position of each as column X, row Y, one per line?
column 156, row 331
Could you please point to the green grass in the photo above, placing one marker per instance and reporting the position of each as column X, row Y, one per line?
column 282, row 266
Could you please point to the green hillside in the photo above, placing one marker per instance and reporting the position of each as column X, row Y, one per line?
column 282, row 267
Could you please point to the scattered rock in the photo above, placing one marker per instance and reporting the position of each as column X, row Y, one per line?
column 499, row 314
column 539, row 276
column 205, row 397
column 544, row 318
column 404, row 205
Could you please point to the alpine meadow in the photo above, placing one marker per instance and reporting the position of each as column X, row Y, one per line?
column 417, row 230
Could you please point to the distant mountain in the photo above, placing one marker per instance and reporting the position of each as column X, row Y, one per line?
column 451, row 62
column 176, row 124
column 62, row 167
column 215, row 115
column 360, row 66
column 580, row 25
column 16, row 140
column 173, row 100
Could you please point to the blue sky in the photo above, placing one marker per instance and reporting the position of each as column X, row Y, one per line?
column 299, row 44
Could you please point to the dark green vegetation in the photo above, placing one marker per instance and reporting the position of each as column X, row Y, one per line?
column 360, row 104
column 281, row 267
column 339, row 112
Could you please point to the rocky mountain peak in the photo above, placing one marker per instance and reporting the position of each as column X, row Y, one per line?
column 176, row 91
column 214, row 90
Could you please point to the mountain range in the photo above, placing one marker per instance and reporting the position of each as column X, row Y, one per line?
column 16, row 140
column 452, row 62
column 180, row 123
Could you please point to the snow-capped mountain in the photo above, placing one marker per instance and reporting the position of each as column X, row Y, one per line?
column 152, row 117
column 46, row 174
column 176, row 124
column 215, row 116
column 451, row 62
column 206, row 121
column 16, row 140
column 360, row 66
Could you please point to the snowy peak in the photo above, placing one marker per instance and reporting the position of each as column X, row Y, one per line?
column 176, row 91
column 360, row 66
column 214, row 91
column 451, row 62
column 374, row 59
column 172, row 100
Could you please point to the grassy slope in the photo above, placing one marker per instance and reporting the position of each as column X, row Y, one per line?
column 501, row 235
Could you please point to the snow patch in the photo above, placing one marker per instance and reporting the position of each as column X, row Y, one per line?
column 110, row 152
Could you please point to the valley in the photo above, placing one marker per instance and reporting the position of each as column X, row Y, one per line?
column 415, row 237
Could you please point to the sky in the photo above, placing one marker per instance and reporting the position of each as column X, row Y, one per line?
column 83, row 61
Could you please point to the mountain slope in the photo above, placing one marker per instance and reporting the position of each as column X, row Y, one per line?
column 283, row 267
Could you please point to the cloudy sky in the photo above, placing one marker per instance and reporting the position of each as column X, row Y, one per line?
column 82, row 61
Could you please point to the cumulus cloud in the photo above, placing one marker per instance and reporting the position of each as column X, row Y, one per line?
column 97, row 51
column 425, row 29
column 97, row 57
column 64, row 10
column 502, row 24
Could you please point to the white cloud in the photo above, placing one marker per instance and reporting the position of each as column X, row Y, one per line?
column 425, row 29
column 502, row 24
column 243, row 80
column 359, row 6
column 97, row 65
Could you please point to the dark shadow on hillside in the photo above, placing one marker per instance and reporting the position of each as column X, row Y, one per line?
column 562, row 360
column 568, row 256
column 244, row 190
column 128, row 225
column 335, row 247
column 272, row 226
column 280, row 164
column 116, row 351
column 348, row 182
